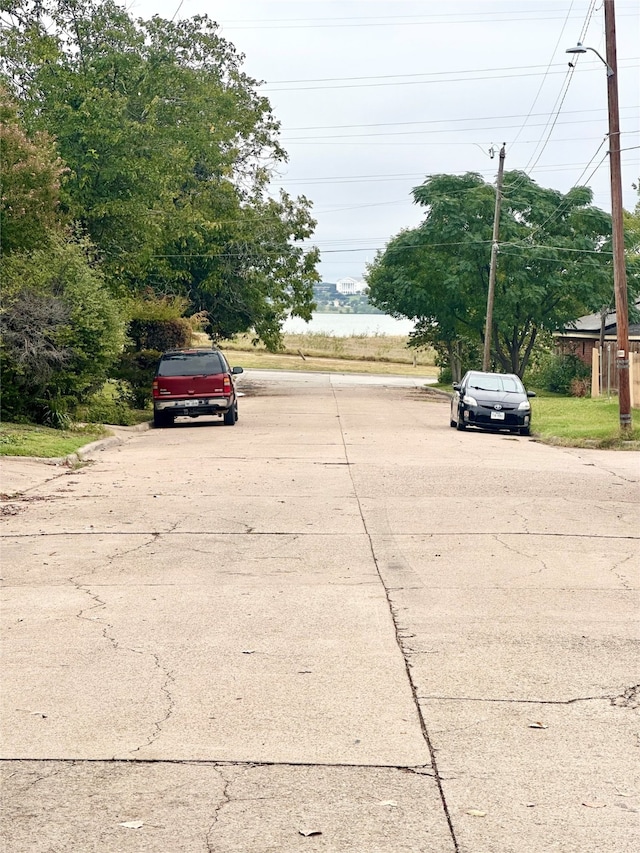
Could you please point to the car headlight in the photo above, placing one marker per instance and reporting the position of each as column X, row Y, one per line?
column 468, row 400
column 525, row 406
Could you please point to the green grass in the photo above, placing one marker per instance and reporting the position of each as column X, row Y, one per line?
column 46, row 443
column 581, row 422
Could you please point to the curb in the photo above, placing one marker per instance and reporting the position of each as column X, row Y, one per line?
column 83, row 453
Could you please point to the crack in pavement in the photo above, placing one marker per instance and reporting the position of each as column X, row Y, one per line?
column 225, row 799
column 624, row 580
column 544, row 567
column 399, row 632
column 421, row 770
column 120, row 554
column 98, row 603
column 630, row 698
column 301, row 533
column 109, row 635
column 171, row 703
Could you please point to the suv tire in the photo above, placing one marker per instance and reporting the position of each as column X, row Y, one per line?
column 231, row 415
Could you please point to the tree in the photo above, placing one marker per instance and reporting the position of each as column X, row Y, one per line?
column 170, row 148
column 61, row 327
column 554, row 265
column 31, row 173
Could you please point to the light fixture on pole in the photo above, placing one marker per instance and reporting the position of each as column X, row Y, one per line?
column 617, row 223
column 581, row 48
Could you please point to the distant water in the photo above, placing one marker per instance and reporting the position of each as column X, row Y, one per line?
column 347, row 325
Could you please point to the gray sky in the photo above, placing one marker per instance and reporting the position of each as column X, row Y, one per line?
column 374, row 96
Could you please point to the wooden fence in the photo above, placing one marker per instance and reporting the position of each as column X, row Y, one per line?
column 604, row 373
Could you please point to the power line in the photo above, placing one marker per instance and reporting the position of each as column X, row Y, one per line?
column 487, row 75
column 404, row 76
column 350, row 179
column 441, row 121
column 396, row 21
column 544, row 79
column 458, row 130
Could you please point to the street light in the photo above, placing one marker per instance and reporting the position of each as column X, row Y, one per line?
column 580, row 48
column 617, row 225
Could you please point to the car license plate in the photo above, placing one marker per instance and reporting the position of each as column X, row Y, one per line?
column 497, row 416
column 190, row 402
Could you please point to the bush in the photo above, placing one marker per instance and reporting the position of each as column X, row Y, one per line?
column 160, row 335
column 560, row 372
column 62, row 331
column 136, row 371
column 445, row 376
column 107, row 406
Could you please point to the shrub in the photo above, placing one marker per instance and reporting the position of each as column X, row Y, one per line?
column 559, row 372
column 445, row 376
column 107, row 406
column 62, row 330
column 160, row 335
column 136, row 371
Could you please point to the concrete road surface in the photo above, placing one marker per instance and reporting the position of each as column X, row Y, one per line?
column 339, row 625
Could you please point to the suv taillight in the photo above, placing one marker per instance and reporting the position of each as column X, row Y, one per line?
column 226, row 385
column 154, row 388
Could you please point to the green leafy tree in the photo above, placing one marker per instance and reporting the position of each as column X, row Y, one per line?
column 31, row 173
column 61, row 327
column 170, row 148
column 554, row 264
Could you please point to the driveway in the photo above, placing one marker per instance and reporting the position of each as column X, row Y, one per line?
column 337, row 626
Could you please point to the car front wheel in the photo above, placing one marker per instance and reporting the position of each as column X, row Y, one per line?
column 460, row 424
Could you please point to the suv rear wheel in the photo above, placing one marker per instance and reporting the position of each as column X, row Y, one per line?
column 231, row 415
column 162, row 419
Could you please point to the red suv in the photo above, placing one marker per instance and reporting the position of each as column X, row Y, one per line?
column 194, row 382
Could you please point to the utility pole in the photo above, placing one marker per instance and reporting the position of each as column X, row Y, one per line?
column 619, row 268
column 486, row 360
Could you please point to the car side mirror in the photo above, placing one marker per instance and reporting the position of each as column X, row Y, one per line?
column 531, row 393
column 237, row 369
column 456, row 386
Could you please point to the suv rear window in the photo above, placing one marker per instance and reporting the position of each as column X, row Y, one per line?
column 191, row 364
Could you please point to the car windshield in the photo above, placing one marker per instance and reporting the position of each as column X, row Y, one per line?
column 191, row 364
column 495, row 382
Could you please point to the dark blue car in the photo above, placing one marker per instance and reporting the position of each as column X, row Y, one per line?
column 491, row 401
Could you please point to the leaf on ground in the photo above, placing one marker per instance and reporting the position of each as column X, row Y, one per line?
column 595, row 805
column 249, row 652
column 307, row 833
column 132, row 824
column 476, row 813
column 538, row 726
column 387, row 803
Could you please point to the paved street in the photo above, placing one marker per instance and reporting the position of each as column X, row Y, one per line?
column 338, row 626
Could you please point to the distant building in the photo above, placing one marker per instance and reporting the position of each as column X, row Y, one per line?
column 350, row 286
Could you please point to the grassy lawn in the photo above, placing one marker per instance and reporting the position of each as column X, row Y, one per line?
column 581, row 422
column 30, row 440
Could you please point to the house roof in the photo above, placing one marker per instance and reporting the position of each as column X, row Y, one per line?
column 589, row 326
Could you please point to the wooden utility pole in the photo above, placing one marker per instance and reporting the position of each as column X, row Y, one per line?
column 619, row 268
column 486, row 359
